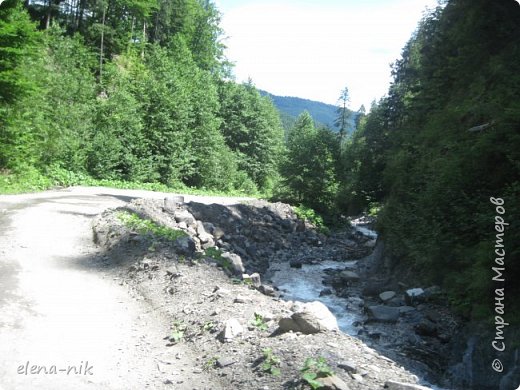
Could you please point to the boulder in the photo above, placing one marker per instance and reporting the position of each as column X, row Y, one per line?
column 267, row 290
column 325, row 291
column 309, row 318
column 426, row 328
column 387, row 295
column 349, row 276
column 218, row 233
column 224, row 362
column 232, row 328
column 383, row 313
column 256, row 281
column 185, row 246
column 333, row 382
column 184, row 216
column 348, row 366
column 414, row 296
column 392, row 385
column 236, row 262
column 396, row 301
column 172, row 202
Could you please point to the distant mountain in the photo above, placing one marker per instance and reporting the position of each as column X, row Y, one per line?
column 290, row 107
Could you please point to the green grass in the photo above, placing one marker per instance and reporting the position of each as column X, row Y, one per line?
column 146, row 226
column 31, row 180
column 216, row 254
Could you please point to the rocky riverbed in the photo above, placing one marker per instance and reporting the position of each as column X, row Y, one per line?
column 231, row 284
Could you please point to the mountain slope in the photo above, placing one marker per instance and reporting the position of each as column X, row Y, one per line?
column 290, row 107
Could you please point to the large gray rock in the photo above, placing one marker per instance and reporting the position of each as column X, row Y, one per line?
column 267, row 290
column 414, row 296
column 333, row 382
column 383, row 313
column 236, row 262
column 185, row 246
column 387, row 295
column 309, row 318
column 392, row 385
column 348, row 366
column 349, row 276
column 172, row 202
column 185, row 216
column 204, row 237
column 253, row 279
column 232, row 328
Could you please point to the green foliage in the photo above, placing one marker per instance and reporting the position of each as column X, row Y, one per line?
column 415, row 155
column 118, row 149
column 209, row 326
column 216, row 254
column 309, row 169
column 26, row 179
column 148, row 227
column 178, row 331
column 271, row 362
column 19, row 47
column 308, row 214
column 18, row 40
column 151, row 119
column 343, row 114
column 210, row 363
column 313, row 370
column 259, row 322
column 252, row 129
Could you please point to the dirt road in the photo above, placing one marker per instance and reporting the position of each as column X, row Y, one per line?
column 64, row 322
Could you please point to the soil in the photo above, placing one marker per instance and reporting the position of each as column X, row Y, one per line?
column 61, row 309
column 199, row 297
column 147, row 312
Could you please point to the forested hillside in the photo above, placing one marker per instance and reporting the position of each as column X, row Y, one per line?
column 324, row 114
column 135, row 91
column 441, row 144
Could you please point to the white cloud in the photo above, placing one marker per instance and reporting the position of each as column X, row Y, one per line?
column 313, row 51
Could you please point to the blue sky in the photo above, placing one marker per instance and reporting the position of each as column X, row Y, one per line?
column 313, row 49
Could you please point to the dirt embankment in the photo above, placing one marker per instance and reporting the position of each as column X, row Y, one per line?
column 207, row 281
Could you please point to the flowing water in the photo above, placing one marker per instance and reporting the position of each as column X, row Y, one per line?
column 305, row 285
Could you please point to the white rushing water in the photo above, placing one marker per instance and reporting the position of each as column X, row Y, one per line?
column 305, row 284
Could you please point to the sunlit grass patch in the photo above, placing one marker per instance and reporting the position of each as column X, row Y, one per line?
column 146, row 226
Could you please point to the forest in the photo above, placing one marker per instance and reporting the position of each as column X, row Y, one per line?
column 140, row 93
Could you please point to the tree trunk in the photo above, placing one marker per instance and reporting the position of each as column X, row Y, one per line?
column 101, row 46
column 81, row 12
column 144, row 39
column 131, row 34
column 49, row 15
